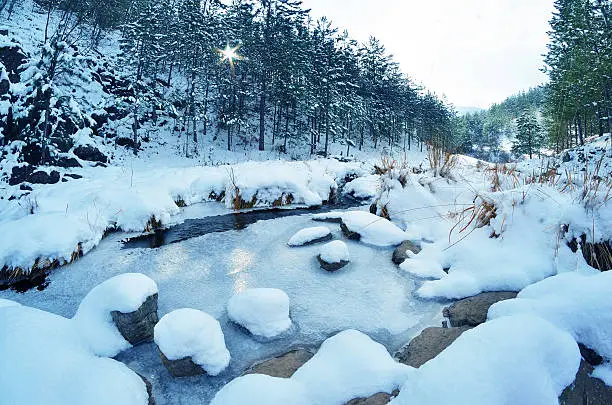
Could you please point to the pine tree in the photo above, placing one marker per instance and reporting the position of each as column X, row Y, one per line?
column 528, row 138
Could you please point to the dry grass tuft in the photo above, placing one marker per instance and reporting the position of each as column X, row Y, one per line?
column 476, row 216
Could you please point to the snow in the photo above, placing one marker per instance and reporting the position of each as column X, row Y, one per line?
column 8, row 303
column 191, row 333
column 45, row 361
column 374, row 230
column 348, row 365
column 123, row 293
column 260, row 389
column 80, row 211
column 363, row 187
column 262, row 311
column 309, row 235
column 335, row 252
column 576, row 303
column 604, row 373
column 511, row 360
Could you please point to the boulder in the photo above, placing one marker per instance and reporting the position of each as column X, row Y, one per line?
column 586, row 389
column 348, row 233
column 126, row 142
column 67, row 162
column 426, row 346
column 334, row 256
column 20, row 174
column 137, row 327
column 382, row 398
column 283, row 366
column 41, row 177
column 473, row 311
column 182, row 367
column 91, row 154
column 149, row 388
column 403, row 252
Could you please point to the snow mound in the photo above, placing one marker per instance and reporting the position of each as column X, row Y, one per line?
column 363, row 187
column 335, row 252
column 260, row 389
column 45, row 361
column 8, row 303
column 512, row 360
column 374, row 230
column 577, row 303
column 423, row 268
column 124, row 293
column 263, row 311
column 348, row 365
column 308, row 235
column 191, row 333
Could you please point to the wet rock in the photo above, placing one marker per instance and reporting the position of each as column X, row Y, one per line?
column 590, row 355
column 283, row 366
column 91, row 154
column 473, row 311
column 382, row 398
column 149, row 388
column 426, row 346
column 41, row 177
column 182, row 367
column 331, row 267
column 67, row 162
column 586, row 389
column 348, row 233
column 403, row 252
column 137, row 327
column 25, row 187
column 73, row 176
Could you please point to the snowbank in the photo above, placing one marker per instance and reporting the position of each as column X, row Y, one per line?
column 53, row 220
column 263, row 311
column 374, row 230
column 580, row 304
column 191, row 333
column 363, row 187
column 309, row 235
column 8, row 303
column 45, row 361
column 348, row 365
column 335, row 252
column 512, row 360
column 124, row 293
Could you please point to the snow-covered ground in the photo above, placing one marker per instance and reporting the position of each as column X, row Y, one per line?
column 482, row 228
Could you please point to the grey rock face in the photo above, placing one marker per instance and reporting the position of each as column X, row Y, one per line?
column 137, row 327
column 403, row 251
column 586, row 389
column 182, row 367
column 426, row 346
column 283, row 366
column 473, row 311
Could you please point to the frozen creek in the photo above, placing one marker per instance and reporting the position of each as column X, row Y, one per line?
column 371, row 294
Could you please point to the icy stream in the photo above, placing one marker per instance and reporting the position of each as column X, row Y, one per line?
column 370, row 294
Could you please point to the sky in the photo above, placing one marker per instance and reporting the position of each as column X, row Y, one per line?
column 474, row 52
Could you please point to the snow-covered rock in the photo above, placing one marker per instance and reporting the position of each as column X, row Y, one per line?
column 194, row 335
column 363, row 187
column 512, row 360
column 372, row 229
column 334, row 255
column 125, row 293
column 264, row 312
column 577, row 303
column 348, row 365
column 8, row 303
column 310, row 236
column 46, row 361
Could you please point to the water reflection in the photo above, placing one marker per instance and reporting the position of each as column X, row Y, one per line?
column 240, row 262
